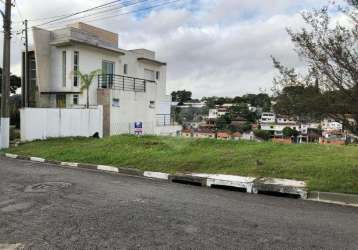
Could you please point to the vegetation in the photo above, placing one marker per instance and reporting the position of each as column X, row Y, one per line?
column 181, row 96
column 86, row 81
column 324, row 167
column 330, row 87
column 262, row 134
column 15, row 82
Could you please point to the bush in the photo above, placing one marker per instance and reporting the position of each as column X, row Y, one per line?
column 262, row 134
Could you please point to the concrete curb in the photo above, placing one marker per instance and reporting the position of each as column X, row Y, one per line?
column 336, row 198
column 250, row 184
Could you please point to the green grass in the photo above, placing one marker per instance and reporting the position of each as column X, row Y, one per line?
column 324, row 167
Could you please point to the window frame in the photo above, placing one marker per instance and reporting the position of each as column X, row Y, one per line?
column 64, row 67
column 76, row 62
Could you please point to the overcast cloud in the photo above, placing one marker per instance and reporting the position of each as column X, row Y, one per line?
column 212, row 47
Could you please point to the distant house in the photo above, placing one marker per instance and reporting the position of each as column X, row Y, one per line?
column 204, row 133
column 236, row 136
column 238, row 122
column 329, row 124
column 268, row 117
column 223, row 135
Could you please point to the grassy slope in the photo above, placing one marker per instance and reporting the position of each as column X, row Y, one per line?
column 326, row 168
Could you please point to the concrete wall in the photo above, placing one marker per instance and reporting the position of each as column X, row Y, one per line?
column 41, row 123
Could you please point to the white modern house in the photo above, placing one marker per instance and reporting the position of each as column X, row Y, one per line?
column 131, row 87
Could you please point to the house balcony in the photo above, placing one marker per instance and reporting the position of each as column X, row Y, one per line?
column 124, row 83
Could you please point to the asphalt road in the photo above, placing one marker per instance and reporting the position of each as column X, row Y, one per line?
column 79, row 209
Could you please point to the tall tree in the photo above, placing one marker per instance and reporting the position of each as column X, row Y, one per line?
column 15, row 82
column 330, row 51
column 181, row 96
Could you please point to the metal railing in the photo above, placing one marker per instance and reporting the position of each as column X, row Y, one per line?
column 163, row 120
column 120, row 82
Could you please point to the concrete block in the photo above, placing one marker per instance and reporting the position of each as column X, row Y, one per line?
column 283, row 186
column 229, row 181
column 188, row 179
column 69, row 164
column 107, row 168
column 13, row 156
column 156, row 175
column 37, row 159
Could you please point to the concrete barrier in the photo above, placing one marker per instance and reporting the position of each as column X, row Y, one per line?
column 221, row 180
column 188, row 179
column 280, row 186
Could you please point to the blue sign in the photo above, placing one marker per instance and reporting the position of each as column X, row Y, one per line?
column 138, row 128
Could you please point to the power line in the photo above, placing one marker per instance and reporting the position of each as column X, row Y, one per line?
column 79, row 12
column 18, row 10
column 119, row 14
column 124, row 5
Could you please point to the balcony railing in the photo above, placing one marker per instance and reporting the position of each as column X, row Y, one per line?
column 120, row 82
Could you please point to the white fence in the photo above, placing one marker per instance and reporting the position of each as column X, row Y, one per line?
column 42, row 123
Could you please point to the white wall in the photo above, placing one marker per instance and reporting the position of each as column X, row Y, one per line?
column 41, row 123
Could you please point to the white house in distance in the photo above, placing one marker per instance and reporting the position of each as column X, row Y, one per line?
column 132, row 87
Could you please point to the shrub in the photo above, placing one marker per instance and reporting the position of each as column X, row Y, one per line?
column 262, row 134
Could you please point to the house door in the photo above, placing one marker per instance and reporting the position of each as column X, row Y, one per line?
column 61, row 101
column 108, row 72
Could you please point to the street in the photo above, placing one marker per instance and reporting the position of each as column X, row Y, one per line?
column 47, row 207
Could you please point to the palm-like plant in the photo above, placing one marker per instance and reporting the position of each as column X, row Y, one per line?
column 86, row 81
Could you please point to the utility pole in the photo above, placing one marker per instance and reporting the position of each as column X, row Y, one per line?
column 26, row 82
column 5, row 87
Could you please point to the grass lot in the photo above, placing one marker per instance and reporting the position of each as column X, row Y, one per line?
column 325, row 168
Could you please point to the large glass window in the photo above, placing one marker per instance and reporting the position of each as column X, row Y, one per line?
column 108, row 73
column 75, row 67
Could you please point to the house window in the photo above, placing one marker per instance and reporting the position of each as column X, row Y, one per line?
column 115, row 102
column 149, row 75
column 108, row 74
column 64, row 68
column 157, row 75
column 125, row 69
column 75, row 67
column 75, row 99
column 152, row 104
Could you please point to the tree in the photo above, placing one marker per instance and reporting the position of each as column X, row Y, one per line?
column 287, row 132
column 262, row 134
column 330, row 51
column 181, row 96
column 15, row 82
column 86, row 81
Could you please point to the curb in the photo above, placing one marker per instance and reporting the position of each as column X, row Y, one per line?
column 252, row 185
column 336, row 198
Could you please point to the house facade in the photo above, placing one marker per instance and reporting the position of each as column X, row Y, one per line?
column 131, row 86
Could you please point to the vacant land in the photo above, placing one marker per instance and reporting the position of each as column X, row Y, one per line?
column 325, row 168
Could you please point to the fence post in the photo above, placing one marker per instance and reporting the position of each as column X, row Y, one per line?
column 123, row 82
column 134, row 85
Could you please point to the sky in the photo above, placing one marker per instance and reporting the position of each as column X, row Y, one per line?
column 212, row 47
